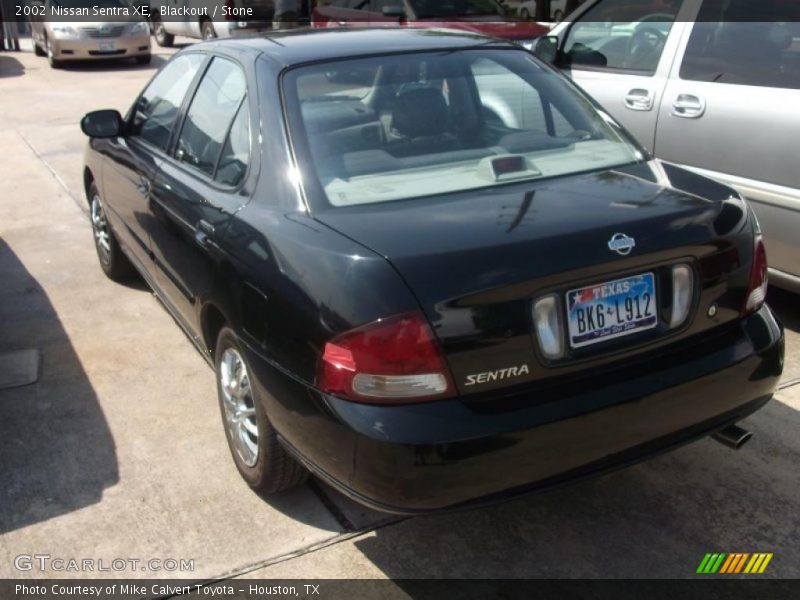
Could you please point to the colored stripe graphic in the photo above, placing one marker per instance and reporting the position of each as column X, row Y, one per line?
column 740, row 564
column 715, row 567
column 764, row 564
column 727, row 564
column 703, row 563
column 730, row 565
column 711, row 563
column 735, row 562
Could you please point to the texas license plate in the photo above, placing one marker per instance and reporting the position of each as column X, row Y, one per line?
column 107, row 46
column 612, row 309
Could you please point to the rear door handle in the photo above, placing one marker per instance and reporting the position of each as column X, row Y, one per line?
column 688, row 106
column 204, row 233
column 640, row 99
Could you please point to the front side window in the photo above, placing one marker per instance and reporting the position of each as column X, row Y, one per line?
column 623, row 35
column 430, row 124
column 763, row 51
column 213, row 108
column 156, row 110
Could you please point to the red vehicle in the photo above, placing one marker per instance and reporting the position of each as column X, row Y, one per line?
column 480, row 16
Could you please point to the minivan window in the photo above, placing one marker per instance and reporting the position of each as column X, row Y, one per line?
column 210, row 114
column 624, row 35
column 510, row 101
column 156, row 110
column 762, row 51
column 432, row 124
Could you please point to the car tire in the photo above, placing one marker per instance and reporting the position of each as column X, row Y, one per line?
column 112, row 259
column 37, row 49
column 207, row 30
column 144, row 59
column 259, row 457
column 163, row 38
column 51, row 59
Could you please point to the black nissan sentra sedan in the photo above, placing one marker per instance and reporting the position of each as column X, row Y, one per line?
column 427, row 268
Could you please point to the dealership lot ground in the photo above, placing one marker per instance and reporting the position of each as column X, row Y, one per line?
column 118, row 451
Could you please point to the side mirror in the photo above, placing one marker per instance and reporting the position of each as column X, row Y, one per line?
column 102, row 124
column 394, row 11
column 546, row 48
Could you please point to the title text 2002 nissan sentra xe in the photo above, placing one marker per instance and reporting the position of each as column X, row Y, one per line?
column 427, row 268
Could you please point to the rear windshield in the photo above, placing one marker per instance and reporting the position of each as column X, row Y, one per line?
column 405, row 126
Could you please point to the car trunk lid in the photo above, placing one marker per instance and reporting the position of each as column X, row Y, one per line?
column 477, row 260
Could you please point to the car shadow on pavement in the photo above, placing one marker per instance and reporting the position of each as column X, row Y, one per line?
column 787, row 306
column 121, row 64
column 653, row 520
column 57, row 454
column 10, row 66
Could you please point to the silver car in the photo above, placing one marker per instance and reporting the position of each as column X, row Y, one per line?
column 713, row 85
column 62, row 41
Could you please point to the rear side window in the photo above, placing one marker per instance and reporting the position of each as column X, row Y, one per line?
column 762, row 51
column 156, row 110
column 621, row 35
column 211, row 113
column 236, row 152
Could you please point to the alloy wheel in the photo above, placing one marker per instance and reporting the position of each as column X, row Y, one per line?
column 239, row 406
column 102, row 235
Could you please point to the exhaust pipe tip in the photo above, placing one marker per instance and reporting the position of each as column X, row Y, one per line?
column 733, row 436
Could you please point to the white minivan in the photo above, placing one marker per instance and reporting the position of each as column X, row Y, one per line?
column 713, row 85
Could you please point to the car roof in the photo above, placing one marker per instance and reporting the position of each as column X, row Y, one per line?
column 309, row 45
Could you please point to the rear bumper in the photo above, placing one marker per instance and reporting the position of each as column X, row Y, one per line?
column 100, row 48
column 448, row 455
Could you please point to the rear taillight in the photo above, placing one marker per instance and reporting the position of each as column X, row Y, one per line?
column 394, row 360
column 230, row 12
column 757, row 286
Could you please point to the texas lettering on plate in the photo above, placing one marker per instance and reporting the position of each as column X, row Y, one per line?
column 612, row 309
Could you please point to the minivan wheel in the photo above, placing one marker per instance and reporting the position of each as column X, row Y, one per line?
column 207, row 30
column 261, row 460
column 163, row 39
column 113, row 261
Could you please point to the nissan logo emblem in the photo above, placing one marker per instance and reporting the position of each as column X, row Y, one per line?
column 621, row 244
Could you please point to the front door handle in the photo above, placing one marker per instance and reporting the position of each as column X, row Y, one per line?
column 688, row 106
column 143, row 187
column 204, row 233
column 640, row 99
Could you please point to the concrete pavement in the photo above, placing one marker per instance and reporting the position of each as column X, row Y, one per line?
column 118, row 450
